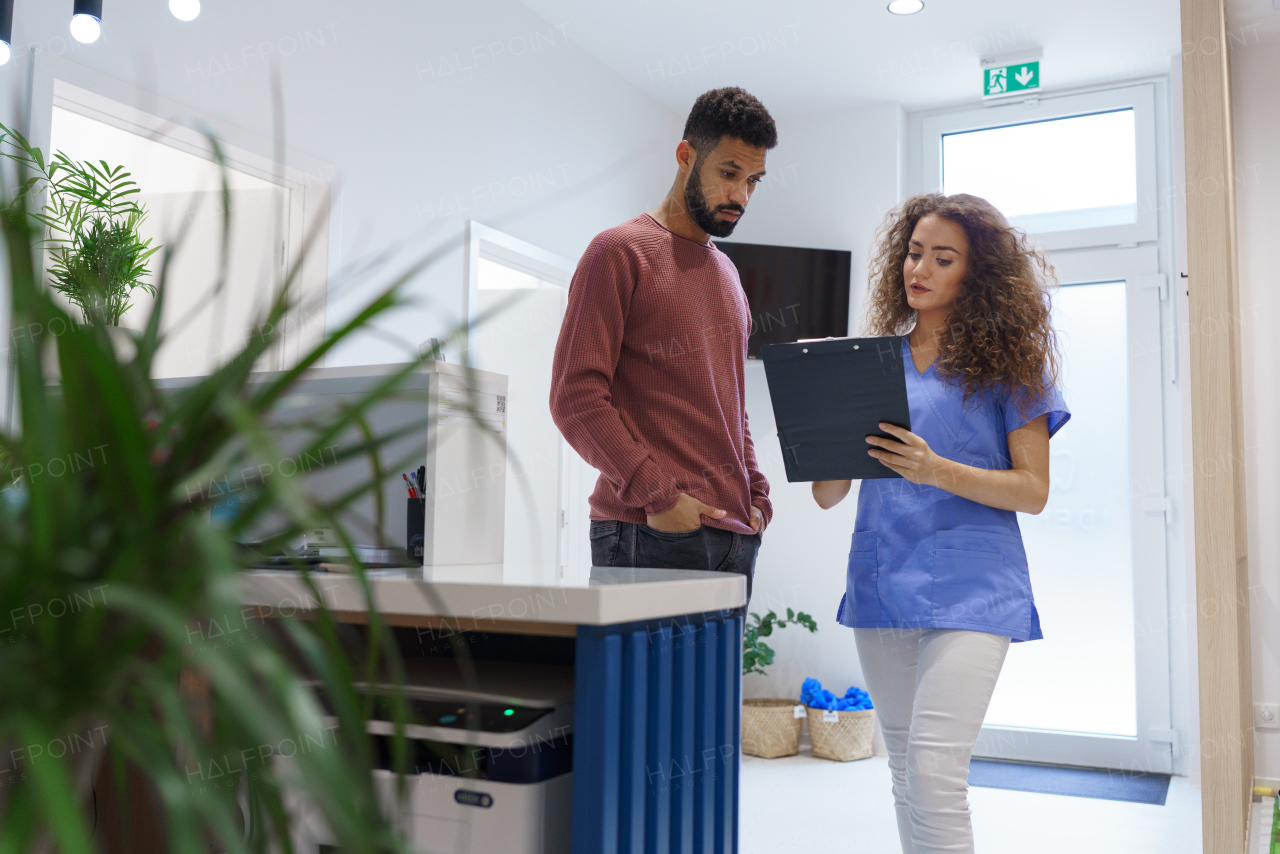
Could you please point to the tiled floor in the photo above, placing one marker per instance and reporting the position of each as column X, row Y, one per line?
column 801, row 803
column 1260, row 826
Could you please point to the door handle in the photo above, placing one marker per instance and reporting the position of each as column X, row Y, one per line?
column 1162, row 506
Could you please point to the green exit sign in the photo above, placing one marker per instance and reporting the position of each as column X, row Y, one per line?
column 1007, row 79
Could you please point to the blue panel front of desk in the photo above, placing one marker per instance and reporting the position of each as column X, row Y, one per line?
column 656, row 735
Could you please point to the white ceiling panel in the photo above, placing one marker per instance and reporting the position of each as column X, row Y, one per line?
column 803, row 57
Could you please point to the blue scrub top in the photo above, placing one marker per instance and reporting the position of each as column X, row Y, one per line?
column 923, row 558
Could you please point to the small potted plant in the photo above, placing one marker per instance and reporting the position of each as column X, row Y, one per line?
column 770, row 727
column 97, row 256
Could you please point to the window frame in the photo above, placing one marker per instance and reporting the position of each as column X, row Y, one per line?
column 1140, row 98
column 310, row 222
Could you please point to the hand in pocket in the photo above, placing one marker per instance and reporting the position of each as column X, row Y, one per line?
column 685, row 515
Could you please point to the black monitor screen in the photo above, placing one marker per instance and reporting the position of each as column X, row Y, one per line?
column 793, row 293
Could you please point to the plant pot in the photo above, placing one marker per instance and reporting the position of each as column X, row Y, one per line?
column 81, row 764
column 770, row 728
column 122, row 342
column 845, row 739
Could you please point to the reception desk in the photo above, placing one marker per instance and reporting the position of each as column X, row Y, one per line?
column 657, row 682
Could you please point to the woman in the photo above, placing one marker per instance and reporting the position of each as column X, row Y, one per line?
column 937, row 583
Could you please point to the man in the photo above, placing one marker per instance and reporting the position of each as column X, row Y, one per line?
column 647, row 382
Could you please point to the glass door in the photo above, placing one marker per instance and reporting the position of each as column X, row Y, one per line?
column 1093, row 691
column 1081, row 546
column 1074, row 173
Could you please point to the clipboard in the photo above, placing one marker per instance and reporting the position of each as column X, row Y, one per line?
column 828, row 396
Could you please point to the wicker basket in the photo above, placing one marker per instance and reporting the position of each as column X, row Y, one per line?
column 843, row 740
column 770, row 728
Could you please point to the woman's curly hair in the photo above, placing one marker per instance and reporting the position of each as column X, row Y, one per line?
column 1000, row 335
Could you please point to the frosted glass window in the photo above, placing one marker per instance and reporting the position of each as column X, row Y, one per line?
column 174, row 186
column 1081, row 677
column 1056, row 175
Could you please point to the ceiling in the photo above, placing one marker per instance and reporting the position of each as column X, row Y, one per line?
column 803, row 57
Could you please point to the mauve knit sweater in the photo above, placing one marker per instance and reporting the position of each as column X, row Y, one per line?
column 647, row 383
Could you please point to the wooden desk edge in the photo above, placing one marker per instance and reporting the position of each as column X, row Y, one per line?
column 456, row 624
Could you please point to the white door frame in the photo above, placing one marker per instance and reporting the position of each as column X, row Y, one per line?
column 572, row 556
column 311, row 216
column 1139, row 254
column 489, row 243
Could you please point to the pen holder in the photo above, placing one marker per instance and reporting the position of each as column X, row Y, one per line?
column 414, row 523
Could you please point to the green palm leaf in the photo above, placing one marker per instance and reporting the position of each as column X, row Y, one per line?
column 126, row 535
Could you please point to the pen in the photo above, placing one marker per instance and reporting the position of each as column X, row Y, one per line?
column 409, row 486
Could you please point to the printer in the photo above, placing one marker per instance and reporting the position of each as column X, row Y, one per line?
column 490, row 761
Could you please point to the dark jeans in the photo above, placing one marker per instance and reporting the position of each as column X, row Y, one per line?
column 616, row 543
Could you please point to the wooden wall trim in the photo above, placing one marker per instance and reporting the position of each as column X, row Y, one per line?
column 1217, row 432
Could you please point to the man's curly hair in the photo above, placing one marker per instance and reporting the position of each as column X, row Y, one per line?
column 1000, row 334
column 731, row 112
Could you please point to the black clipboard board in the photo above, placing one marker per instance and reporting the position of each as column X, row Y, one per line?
column 828, row 396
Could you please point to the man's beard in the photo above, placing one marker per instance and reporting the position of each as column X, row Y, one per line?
column 695, row 202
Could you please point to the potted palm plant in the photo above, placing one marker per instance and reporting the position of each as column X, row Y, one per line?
column 110, row 567
column 98, row 257
column 770, row 726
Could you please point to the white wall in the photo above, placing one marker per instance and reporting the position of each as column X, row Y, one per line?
column 829, row 184
column 841, row 173
column 1256, row 116
column 431, row 113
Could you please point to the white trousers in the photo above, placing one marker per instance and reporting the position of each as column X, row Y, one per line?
column 930, row 689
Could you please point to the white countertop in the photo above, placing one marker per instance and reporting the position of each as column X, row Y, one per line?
column 477, row 594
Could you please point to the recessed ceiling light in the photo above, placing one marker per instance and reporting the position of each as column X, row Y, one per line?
column 905, row 7
column 184, row 10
